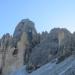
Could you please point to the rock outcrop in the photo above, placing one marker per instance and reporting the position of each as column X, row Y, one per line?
column 56, row 44
column 70, row 71
column 30, row 48
column 20, row 46
column 24, row 26
column 5, row 43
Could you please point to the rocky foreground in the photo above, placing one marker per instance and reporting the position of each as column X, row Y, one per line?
column 28, row 47
column 66, row 67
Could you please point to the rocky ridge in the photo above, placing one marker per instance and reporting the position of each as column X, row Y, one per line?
column 33, row 49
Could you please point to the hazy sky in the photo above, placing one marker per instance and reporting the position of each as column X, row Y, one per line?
column 46, row 14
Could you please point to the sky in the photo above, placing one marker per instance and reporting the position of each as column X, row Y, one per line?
column 46, row 14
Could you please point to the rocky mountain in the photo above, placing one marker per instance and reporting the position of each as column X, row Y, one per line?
column 28, row 47
column 24, row 26
column 56, row 44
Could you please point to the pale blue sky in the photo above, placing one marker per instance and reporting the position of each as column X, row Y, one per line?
column 46, row 14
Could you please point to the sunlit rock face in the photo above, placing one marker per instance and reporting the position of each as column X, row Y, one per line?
column 70, row 71
column 57, row 43
column 25, row 32
column 5, row 43
column 6, row 40
column 24, row 39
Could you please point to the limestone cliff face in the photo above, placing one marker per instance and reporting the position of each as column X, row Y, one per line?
column 24, row 26
column 27, row 47
column 18, row 49
column 5, row 43
column 15, row 56
column 56, row 44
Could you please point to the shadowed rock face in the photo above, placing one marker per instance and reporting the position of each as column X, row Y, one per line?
column 64, row 38
column 73, row 41
column 24, row 26
column 57, row 43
